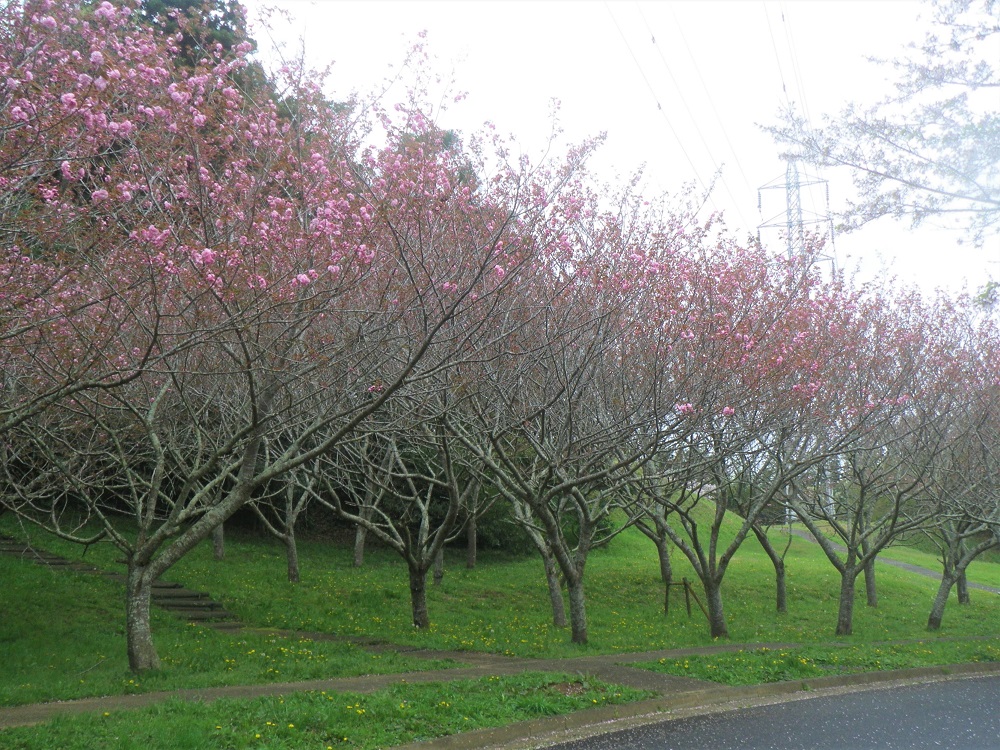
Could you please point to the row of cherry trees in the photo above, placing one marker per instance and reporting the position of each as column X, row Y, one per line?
column 203, row 293
column 212, row 297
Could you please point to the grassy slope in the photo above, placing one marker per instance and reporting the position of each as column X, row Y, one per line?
column 504, row 607
column 62, row 636
column 984, row 569
column 66, row 639
column 501, row 607
column 918, row 550
column 390, row 717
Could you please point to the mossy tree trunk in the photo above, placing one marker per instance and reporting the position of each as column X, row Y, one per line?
column 717, row 626
column 360, row 534
column 577, row 610
column 941, row 600
column 142, row 656
column 292, row 556
column 418, row 595
column 963, row 587
column 219, row 542
column 556, row 600
column 471, row 541
column 778, row 562
column 845, row 610
column 439, row 566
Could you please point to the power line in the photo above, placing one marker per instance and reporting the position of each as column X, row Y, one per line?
column 680, row 93
column 659, row 107
column 796, row 70
column 777, row 57
column 799, row 83
column 711, row 100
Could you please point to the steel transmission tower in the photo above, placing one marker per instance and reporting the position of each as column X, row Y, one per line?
column 797, row 218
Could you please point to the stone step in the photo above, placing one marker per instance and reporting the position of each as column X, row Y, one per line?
column 168, row 594
column 225, row 626
column 43, row 558
column 71, row 564
column 175, row 604
column 201, row 614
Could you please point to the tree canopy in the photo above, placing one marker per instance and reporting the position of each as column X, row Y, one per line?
column 930, row 148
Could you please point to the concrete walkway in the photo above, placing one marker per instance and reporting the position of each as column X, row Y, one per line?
column 610, row 668
column 677, row 697
column 935, row 574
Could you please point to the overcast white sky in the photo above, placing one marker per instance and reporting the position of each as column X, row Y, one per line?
column 685, row 104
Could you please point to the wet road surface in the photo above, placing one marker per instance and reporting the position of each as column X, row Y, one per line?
column 960, row 714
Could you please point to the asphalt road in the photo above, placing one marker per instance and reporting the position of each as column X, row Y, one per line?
column 961, row 714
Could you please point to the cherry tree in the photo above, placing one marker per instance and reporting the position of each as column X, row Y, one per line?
column 965, row 489
column 963, row 483
column 246, row 280
column 576, row 403
column 418, row 474
column 749, row 363
column 63, row 128
column 927, row 149
column 892, row 407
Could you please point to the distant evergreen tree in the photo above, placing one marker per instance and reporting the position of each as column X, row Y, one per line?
column 217, row 21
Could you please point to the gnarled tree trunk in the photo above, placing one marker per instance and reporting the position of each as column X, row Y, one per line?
column 439, row 566
column 663, row 554
column 555, row 591
column 941, row 600
column 418, row 595
column 142, row 656
column 845, row 613
column 292, row 555
column 471, row 541
column 577, row 610
column 963, row 587
column 360, row 534
column 716, row 613
column 219, row 542
column 780, row 587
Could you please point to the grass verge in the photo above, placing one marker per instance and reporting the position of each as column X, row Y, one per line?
column 62, row 636
column 755, row 667
column 394, row 716
column 66, row 639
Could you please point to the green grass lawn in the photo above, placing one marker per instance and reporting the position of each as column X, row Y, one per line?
column 67, row 637
column 62, row 636
column 982, row 570
column 918, row 550
column 757, row 666
column 502, row 605
column 403, row 713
